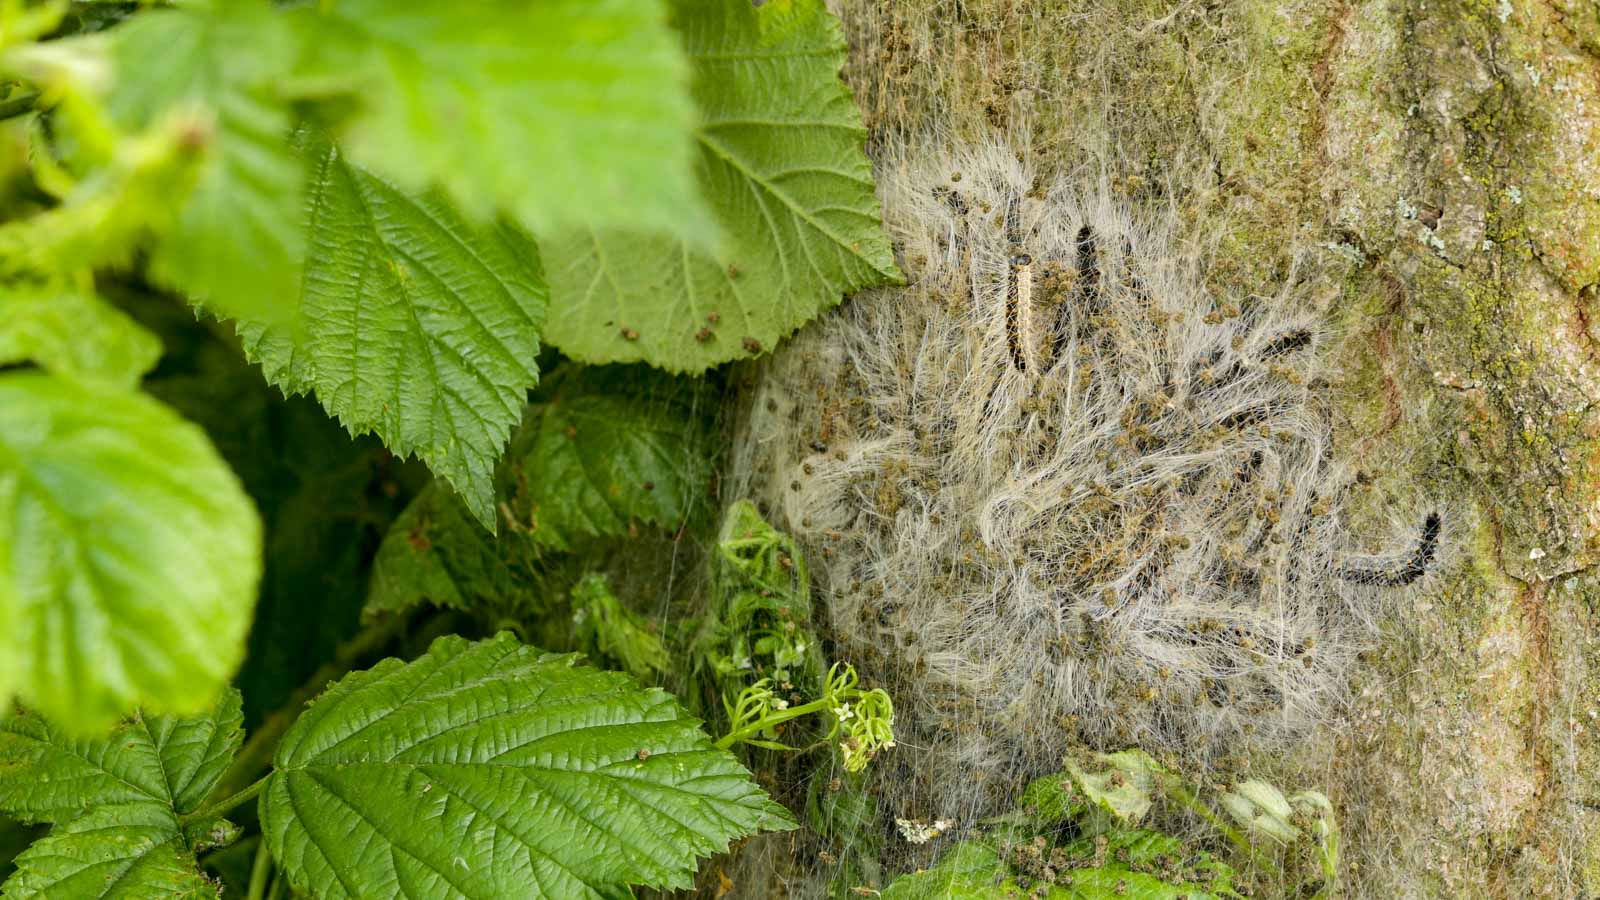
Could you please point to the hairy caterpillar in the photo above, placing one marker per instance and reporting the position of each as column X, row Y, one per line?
column 1086, row 300
column 1019, row 302
column 1288, row 342
column 1385, row 573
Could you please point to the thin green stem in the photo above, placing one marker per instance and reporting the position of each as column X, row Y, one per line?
column 259, row 871
column 227, row 804
column 776, row 718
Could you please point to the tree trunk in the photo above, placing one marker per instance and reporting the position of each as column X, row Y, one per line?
column 1438, row 162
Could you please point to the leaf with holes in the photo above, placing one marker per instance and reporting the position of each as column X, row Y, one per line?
column 121, row 804
column 129, row 554
column 561, row 113
column 412, row 324
column 971, row 870
column 492, row 770
column 781, row 161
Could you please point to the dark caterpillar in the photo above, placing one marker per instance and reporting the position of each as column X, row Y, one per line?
column 1086, row 294
column 1384, row 573
column 1019, row 300
column 1088, row 270
column 1288, row 342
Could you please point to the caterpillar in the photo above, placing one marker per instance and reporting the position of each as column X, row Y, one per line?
column 1378, row 573
column 1288, row 342
column 1139, row 540
column 1086, row 290
column 1019, row 301
column 1088, row 270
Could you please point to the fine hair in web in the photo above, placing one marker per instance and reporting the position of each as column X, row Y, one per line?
column 1056, row 493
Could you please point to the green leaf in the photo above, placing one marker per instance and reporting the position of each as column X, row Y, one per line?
column 71, row 332
column 1130, row 865
column 134, row 850
column 1146, row 865
column 971, row 870
column 609, row 631
column 435, row 552
column 412, row 324
column 602, row 449
column 1119, row 882
column 1050, row 800
column 608, row 447
column 491, row 770
column 129, row 554
column 780, row 159
column 118, row 803
column 236, row 245
column 563, row 113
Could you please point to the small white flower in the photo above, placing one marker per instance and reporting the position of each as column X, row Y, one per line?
column 920, row 832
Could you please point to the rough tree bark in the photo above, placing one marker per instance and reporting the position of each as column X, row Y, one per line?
column 1439, row 157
